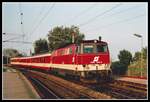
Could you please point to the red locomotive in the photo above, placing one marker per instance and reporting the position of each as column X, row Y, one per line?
column 90, row 59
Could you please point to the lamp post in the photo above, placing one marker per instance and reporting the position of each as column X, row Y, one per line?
column 140, row 36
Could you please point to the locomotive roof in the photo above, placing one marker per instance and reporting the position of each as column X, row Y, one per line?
column 92, row 41
column 83, row 41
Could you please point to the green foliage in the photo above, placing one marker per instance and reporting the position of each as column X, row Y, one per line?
column 137, row 56
column 135, row 68
column 40, row 46
column 11, row 53
column 125, row 57
column 62, row 36
column 144, row 52
column 120, row 67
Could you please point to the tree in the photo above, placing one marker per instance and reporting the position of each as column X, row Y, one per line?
column 137, row 56
column 118, row 68
column 62, row 36
column 136, row 68
column 144, row 52
column 125, row 57
column 12, row 53
column 40, row 46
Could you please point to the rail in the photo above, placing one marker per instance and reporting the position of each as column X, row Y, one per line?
column 66, row 89
column 42, row 90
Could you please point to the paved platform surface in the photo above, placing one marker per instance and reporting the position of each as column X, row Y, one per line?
column 135, row 80
column 16, row 86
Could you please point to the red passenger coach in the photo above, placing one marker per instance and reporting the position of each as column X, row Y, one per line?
column 90, row 59
column 38, row 61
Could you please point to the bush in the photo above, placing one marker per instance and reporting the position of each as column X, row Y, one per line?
column 119, row 68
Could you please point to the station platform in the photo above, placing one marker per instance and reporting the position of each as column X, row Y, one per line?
column 16, row 86
column 134, row 80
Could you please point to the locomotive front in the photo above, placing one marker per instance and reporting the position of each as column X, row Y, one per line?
column 94, row 59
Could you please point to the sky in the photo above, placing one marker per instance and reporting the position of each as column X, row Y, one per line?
column 115, row 22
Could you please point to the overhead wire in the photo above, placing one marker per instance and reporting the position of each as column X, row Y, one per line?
column 101, row 14
column 83, row 12
column 125, row 20
column 13, row 38
column 37, row 17
column 119, row 12
column 122, row 11
column 24, row 42
column 46, row 14
column 11, row 34
column 22, row 27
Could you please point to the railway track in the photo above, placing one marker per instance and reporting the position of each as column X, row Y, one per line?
column 66, row 89
column 42, row 90
column 120, row 89
column 71, row 89
column 129, row 89
column 137, row 86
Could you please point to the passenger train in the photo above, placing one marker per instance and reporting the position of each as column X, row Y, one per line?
column 88, row 60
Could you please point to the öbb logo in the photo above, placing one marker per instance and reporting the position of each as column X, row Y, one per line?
column 96, row 59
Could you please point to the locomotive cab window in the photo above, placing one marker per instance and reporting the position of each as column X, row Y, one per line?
column 101, row 48
column 88, row 49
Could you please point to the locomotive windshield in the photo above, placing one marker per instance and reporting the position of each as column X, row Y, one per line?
column 94, row 48
column 101, row 48
column 88, row 49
